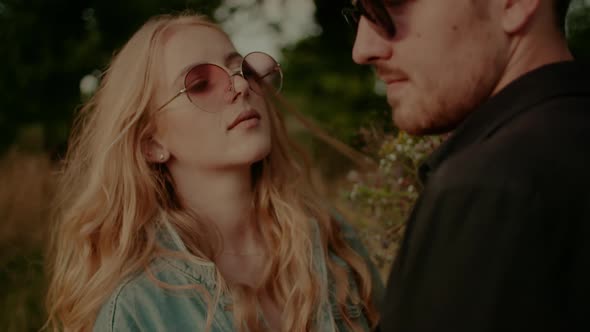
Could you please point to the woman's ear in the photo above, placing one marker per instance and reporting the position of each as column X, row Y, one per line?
column 154, row 151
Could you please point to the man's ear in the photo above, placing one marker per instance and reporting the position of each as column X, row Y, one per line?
column 154, row 151
column 517, row 14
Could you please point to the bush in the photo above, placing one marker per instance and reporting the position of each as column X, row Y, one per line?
column 383, row 198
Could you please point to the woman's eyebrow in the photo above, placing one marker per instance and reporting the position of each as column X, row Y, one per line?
column 231, row 57
column 228, row 59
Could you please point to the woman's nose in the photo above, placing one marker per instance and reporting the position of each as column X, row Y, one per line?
column 240, row 85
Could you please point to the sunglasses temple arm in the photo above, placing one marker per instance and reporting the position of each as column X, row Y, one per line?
column 272, row 71
column 171, row 99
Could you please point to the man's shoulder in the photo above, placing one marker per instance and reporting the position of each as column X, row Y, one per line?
column 549, row 139
column 563, row 119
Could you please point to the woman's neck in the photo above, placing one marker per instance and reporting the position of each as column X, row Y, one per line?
column 224, row 198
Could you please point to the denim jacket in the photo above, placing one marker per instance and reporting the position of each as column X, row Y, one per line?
column 139, row 304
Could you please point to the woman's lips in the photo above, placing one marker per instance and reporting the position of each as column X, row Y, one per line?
column 250, row 116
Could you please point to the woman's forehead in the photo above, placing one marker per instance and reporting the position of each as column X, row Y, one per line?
column 197, row 40
column 192, row 44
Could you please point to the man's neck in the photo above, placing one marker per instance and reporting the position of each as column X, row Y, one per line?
column 530, row 53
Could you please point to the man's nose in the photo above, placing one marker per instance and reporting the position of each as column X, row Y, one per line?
column 369, row 45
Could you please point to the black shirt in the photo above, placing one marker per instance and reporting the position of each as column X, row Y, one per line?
column 499, row 239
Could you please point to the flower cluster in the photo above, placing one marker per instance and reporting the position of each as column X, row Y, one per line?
column 385, row 196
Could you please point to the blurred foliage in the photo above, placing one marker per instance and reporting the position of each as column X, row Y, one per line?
column 323, row 82
column 383, row 198
column 48, row 46
column 579, row 29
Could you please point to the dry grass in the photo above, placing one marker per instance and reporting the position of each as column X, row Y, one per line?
column 26, row 185
column 25, row 196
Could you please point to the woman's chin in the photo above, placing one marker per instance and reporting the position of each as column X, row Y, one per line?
column 251, row 156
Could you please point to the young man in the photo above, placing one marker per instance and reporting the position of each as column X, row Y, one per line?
column 500, row 238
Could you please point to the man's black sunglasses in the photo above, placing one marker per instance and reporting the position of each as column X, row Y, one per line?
column 375, row 11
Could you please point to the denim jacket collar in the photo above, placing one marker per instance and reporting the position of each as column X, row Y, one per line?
column 206, row 273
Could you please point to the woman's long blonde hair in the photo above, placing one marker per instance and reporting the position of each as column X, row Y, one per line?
column 110, row 202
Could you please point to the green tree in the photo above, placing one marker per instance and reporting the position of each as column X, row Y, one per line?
column 579, row 29
column 323, row 82
column 48, row 46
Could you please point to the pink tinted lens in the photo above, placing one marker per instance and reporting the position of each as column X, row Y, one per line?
column 205, row 86
column 262, row 72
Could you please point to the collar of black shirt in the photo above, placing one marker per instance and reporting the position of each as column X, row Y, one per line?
column 550, row 81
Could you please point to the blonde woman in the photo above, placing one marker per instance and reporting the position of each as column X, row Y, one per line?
column 182, row 207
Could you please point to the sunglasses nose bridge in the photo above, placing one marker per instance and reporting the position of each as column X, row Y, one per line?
column 232, row 78
column 238, row 72
column 232, row 83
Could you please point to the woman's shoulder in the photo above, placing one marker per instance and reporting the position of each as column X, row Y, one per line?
column 116, row 313
column 168, row 295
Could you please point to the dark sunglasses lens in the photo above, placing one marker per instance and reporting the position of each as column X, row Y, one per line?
column 262, row 72
column 374, row 11
column 378, row 14
column 351, row 16
column 205, row 86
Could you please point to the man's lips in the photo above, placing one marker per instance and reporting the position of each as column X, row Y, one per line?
column 245, row 115
column 390, row 76
column 392, row 80
column 396, row 81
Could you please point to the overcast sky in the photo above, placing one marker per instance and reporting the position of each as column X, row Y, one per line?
column 250, row 29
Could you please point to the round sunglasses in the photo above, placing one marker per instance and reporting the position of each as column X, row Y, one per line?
column 207, row 85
